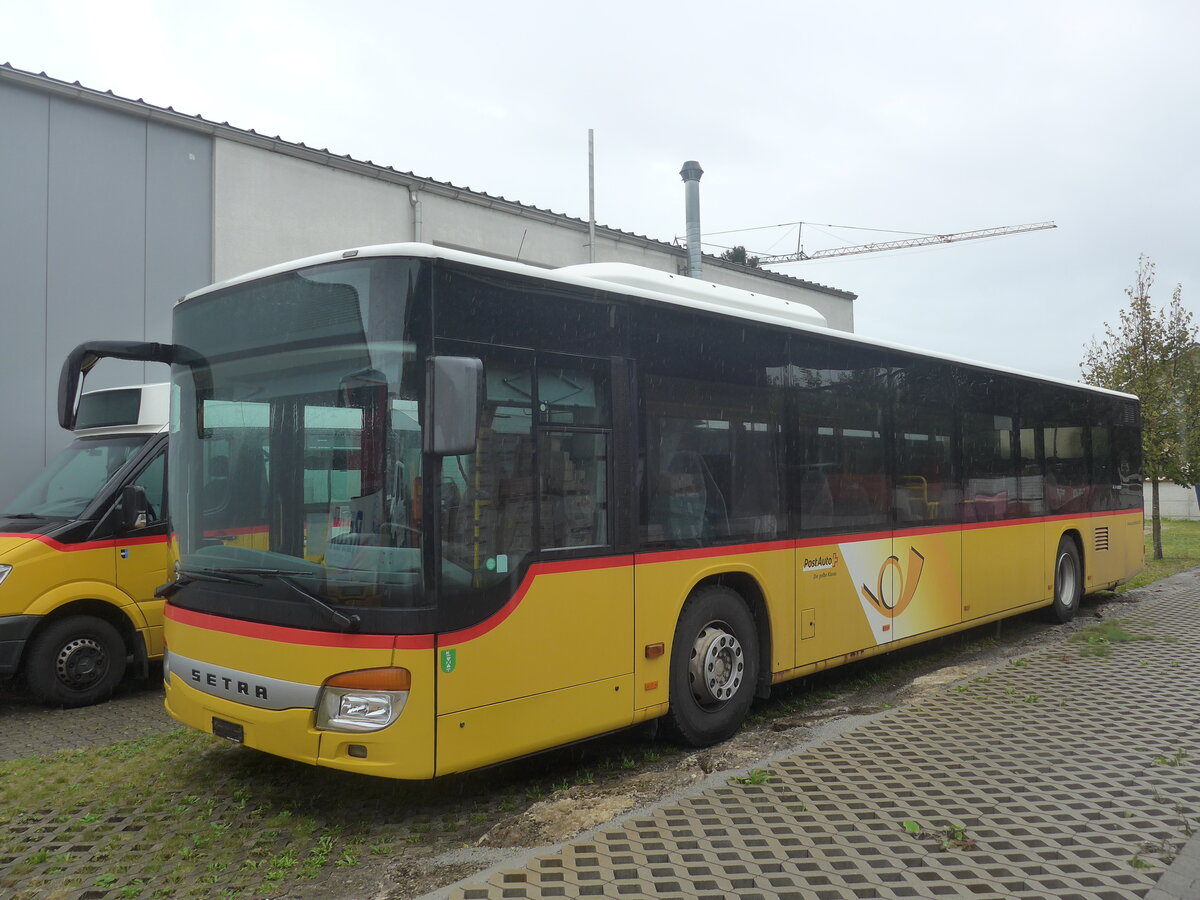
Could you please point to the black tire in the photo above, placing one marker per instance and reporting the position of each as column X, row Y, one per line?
column 1068, row 582
column 75, row 661
column 714, row 667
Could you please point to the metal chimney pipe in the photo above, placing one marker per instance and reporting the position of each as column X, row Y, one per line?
column 691, row 173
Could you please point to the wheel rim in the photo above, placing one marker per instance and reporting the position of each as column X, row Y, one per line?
column 81, row 663
column 717, row 665
column 1066, row 579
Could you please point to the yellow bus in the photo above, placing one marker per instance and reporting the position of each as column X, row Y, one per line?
column 434, row 511
column 83, row 548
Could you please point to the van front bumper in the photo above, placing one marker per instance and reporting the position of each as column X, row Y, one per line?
column 14, row 634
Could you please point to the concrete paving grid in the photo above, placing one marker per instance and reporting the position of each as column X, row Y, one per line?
column 1074, row 773
column 1061, row 768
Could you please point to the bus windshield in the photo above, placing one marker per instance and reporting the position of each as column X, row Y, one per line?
column 295, row 443
column 72, row 480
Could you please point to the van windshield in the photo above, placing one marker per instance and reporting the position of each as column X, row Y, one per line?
column 72, row 479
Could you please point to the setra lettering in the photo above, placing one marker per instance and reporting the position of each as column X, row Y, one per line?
column 229, row 685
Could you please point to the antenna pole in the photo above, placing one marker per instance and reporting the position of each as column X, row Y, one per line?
column 591, row 196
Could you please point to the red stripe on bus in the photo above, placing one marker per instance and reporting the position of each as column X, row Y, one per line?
column 303, row 636
column 86, row 545
column 543, row 568
column 859, row 537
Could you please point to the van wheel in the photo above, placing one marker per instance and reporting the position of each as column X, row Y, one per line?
column 75, row 661
column 714, row 667
column 1068, row 582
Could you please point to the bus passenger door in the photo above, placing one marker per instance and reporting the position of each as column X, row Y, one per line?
column 926, row 562
column 1003, row 503
column 528, row 541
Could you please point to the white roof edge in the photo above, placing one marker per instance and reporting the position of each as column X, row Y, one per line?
column 709, row 293
column 571, row 275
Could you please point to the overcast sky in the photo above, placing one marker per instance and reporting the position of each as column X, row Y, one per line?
column 930, row 117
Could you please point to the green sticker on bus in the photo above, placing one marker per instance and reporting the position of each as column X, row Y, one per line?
column 449, row 660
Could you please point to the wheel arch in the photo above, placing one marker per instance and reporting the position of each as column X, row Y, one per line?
column 100, row 609
column 747, row 587
column 1077, row 539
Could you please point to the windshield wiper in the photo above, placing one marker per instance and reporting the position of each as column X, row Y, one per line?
column 239, row 576
column 343, row 621
column 21, row 516
column 186, row 577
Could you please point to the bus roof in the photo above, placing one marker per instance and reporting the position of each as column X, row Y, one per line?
column 645, row 283
column 134, row 409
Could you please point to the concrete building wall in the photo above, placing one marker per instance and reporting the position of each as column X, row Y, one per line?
column 270, row 208
column 24, row 173
column 105, row 221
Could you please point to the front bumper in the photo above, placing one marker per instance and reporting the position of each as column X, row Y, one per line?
column 14, row 634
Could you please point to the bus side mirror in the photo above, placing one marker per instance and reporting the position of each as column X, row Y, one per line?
column 81, row 360
column 135, row 507
column 453, row 403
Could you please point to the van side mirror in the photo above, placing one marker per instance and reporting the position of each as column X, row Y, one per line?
column 454, row 393
column 135, row 507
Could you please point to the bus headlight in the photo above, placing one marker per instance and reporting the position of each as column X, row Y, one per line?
column 366, row 700
column 4, row 570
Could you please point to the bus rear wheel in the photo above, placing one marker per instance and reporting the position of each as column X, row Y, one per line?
column 1068, row 582
column 714, row 667
column 75, row 661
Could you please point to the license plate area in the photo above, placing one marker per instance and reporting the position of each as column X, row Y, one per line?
column 231, row 731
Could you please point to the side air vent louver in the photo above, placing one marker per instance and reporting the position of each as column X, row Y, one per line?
column 1101, row 538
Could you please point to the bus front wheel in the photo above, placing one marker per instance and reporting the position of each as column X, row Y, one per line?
column 1068, row 582
column 714, row 666
column 75, row 661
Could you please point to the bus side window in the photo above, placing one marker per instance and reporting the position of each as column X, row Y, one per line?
column 714, row 463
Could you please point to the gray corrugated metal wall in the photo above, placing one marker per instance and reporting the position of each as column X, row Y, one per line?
column 106, row 220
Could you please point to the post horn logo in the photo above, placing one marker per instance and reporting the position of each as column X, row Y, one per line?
column 895, row 599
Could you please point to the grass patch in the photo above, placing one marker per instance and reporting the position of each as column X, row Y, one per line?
column 1181, row 551
column 185, row 815
column 1097, row 640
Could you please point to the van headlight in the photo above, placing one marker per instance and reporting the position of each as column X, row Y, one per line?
column 4, row 570
column 366, row 700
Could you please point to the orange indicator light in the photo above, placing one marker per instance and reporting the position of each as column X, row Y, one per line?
column 651, row 685
column 654, row 651
column 389, row 679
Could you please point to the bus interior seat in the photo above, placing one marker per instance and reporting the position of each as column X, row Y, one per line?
column 816, row 500
column 695, row 505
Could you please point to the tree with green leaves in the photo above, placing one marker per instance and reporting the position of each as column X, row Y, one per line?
column 1152, row 352
column 738, row 255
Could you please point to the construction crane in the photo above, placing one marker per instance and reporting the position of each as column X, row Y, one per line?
column 922, row 241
